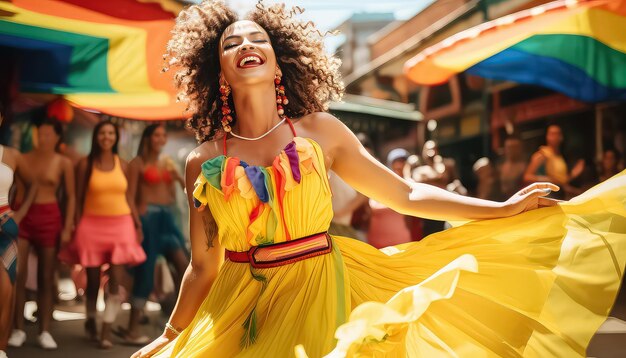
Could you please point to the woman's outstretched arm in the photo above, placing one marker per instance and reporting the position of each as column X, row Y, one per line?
column 364, row 173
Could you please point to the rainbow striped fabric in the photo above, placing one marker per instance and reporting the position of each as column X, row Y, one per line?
column 577, row 48
column 101, row 55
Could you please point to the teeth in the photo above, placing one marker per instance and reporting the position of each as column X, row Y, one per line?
column 248, row 59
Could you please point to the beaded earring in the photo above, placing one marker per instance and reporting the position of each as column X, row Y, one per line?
column 281, row 99
column 227, row 117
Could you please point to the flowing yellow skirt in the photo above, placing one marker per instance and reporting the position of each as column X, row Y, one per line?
column 537, row 284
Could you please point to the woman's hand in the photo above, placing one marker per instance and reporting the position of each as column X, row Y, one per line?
column 530, row 198
column 154, row 347
column 139, row 233
column 66, row 237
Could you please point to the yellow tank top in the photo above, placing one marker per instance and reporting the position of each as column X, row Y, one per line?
column 106, row 192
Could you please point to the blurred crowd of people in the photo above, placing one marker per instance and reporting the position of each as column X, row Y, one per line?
column 495, row 179
column 107, row 219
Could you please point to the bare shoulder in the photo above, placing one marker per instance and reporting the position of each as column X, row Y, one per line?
column 123, row 162
column 12, row 157
column 538, row 156
column 319, row 122
column 324, row 128
column 66, row 163
column 10, row 150
column 135, row 163
column 205, row 151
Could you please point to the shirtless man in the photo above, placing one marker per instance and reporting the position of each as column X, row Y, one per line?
column 42, row 228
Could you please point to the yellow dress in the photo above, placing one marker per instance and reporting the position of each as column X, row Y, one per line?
column 535, row 285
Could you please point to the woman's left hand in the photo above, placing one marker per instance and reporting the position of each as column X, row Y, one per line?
column 530, row 198
column 154, row 347
column 139, row 232
column 66, row 237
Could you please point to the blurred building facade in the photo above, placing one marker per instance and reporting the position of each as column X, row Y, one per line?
column 385, row 122
column 354, row 51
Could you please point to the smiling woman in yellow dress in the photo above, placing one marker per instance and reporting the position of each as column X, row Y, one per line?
column 514, row 282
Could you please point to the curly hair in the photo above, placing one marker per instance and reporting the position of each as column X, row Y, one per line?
column 310, row 76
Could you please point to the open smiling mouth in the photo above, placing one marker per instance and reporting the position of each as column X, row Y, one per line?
column 250, row 60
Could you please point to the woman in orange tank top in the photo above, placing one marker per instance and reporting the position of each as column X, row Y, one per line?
column 109, row 230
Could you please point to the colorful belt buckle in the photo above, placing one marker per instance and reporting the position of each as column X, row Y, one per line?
column 290, row 252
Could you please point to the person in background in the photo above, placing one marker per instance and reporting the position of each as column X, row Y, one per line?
column 512, row 169
column 610, row 164
column 487, row 186
column 109, row 229
column 440, row 172
column 345, row 201
column 42, row 228
column 415, row 224
column 587, row 178
column 548, row 164
column 360, row 220
column 12, row 166
column 388, row 227
column 152, row 187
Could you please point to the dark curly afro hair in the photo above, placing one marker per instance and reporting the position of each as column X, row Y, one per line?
column 310, row 76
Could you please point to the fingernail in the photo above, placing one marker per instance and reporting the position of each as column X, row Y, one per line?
column 547, row 190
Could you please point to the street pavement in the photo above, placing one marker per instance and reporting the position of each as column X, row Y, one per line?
column 67, row 329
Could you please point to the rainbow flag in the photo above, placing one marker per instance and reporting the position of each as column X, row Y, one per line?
column 577, row 48
column 101, row 55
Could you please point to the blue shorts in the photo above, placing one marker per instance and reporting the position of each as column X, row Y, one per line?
column 8, row 246
column 161, row 236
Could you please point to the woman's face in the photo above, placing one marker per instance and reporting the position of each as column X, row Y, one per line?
column 246, row 55
column 106, row 137
column 158, row 139
column 47, row 138
column 554, row 137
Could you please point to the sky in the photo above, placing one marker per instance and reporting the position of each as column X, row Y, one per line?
column 327, row 14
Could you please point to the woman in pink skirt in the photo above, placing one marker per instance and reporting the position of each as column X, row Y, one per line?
column 109, row 230
column 388, row 227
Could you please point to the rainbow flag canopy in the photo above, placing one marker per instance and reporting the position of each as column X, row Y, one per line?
column 574, row 47
column 101, row 55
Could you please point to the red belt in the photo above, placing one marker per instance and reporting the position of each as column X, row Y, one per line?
column 285, row 252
